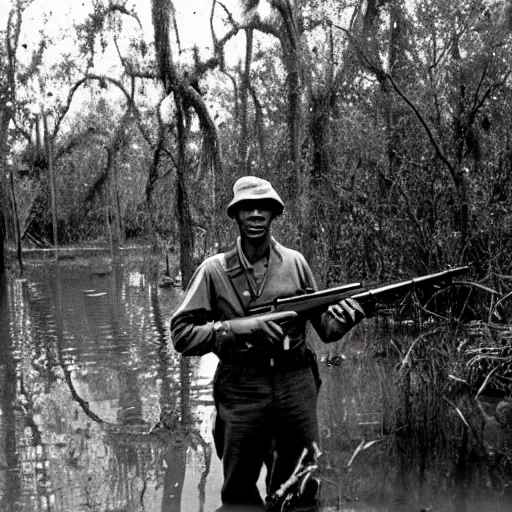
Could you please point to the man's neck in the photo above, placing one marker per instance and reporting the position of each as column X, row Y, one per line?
column 255, row 251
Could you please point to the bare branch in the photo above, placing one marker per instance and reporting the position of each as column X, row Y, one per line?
column 363, row 445
column 487, row 379
column 175, row 26
column 481, row 81
column 123, row 10
column 76, row 141
column 502, row 276
column 406, row 361
column 421, row 119
column 102, row 79
column 76, row 86
column 212, row 28
column 458, row 411
column 256, row 23
column 382, row 76
column 501, row 300
column 226, row 10
column 171, row 156
column 446, row 48
column 458, row 379
column 24, row 133
column 487, row 93
column 477, row 285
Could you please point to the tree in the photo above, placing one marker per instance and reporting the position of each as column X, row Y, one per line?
column 374, row 133
column 8, row 70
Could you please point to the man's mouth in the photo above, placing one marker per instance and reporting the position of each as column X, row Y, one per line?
column 255, row 230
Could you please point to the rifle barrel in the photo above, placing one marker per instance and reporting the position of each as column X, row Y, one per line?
column 387, row 290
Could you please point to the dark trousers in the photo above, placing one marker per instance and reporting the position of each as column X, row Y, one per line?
column 264, row 416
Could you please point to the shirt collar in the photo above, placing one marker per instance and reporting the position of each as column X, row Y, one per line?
column 274, row 246
column 241, row 256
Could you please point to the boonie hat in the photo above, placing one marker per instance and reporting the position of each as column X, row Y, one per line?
column 251, row 188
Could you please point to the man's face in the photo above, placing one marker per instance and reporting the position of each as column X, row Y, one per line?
column 254, row 218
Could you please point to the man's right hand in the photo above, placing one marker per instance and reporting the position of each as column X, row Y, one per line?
column 262, row 331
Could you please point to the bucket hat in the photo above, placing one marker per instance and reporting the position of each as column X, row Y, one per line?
column 251, row 188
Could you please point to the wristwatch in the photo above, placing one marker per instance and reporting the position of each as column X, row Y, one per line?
column 221, row 329
column 223, row 337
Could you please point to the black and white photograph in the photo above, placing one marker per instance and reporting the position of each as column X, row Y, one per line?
column 256, row 256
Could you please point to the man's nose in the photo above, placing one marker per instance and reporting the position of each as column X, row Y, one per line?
column 256, row 212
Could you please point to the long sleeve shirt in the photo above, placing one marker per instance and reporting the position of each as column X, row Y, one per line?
column 222, row 288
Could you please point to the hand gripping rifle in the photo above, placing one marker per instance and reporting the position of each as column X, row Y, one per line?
column 310, row 302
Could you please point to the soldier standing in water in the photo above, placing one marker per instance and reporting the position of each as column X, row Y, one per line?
column 267, row 381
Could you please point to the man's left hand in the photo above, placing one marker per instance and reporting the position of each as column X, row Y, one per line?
column 347, row 312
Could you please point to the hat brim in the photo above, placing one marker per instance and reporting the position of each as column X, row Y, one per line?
column 235, row 205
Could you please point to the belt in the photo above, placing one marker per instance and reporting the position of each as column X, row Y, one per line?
column 253, row 358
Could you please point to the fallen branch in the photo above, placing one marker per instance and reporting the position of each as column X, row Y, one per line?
column 487, row 379
column 458, row 411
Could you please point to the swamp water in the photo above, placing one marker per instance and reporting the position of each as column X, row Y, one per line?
column 99, row 414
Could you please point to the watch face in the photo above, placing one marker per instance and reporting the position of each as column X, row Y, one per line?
column 220, row 328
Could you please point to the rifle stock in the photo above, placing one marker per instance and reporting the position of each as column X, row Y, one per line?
column 309, row 302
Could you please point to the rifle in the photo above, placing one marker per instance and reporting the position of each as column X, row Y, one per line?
column 310, row 302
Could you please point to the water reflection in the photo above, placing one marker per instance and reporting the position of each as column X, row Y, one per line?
column 98, row 413
column 10, row 462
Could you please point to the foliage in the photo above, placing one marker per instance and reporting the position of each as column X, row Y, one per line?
column 384, row 127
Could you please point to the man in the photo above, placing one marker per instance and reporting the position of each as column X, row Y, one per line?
column 266, row 383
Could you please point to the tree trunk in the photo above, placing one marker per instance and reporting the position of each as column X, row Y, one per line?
column 186, row 97
column 53, row 192
column 395, row 65
column 294, row 118
column 150, row 185
column 258, row 125
column 2, row 239
column 183, row 213
column 113, row 211
column 102, row 179
column 246, row 82
column 8, row 62
column 291, row 34
column 461, row 207
column 3, row 222
column 4, row 127
column 16, row 222
column 315, row 219
column 116, row 203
